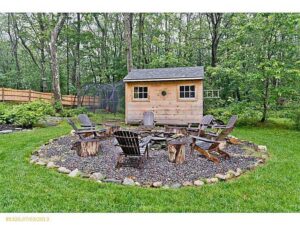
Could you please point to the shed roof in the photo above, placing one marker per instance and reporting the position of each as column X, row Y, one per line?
column 164, row 74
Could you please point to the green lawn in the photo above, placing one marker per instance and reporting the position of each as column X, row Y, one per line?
column 274, row 187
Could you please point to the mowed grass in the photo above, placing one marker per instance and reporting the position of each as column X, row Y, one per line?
column 274, row 187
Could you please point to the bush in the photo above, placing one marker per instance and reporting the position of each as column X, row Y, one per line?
column 72, row 112
column 248, row 113
column 27, row 114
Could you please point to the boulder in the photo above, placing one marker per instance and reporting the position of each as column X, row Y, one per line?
column 74, row 173
column 97, row 176
column 176, row 185
column 187, row 183
column 262, row 148
column 128, row 181
column 221, row 176
column 63, row 170
column 34, row 159
column 41, row 163
column 6, row 131
column 212, row 180
column 137, row 183
column 51, row 165
column 157, row 184
column 166, row 186
column 112, row 181
column 198, row 183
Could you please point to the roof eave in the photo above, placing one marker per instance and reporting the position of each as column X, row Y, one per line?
column 163, row 79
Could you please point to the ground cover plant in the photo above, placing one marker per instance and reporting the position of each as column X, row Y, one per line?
column 30, row 188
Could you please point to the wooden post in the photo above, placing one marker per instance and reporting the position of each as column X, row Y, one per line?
column 176, row 152
column 29, row 95
column 2, row 94
column 88, row 147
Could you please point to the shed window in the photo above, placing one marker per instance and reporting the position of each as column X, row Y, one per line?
column 187, row 91
column 140, row 92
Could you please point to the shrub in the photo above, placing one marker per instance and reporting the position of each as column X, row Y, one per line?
column 69, row 112
column 248, row 113
column 27, row 114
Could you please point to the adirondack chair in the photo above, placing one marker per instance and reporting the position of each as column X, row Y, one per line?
column 211, row 145
column 231, row 123
column 148, row 120
column 200, row 130
column 86, row 122
column 84, row 133
column 132, row 148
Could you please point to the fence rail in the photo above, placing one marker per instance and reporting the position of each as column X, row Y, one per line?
column 8, row 94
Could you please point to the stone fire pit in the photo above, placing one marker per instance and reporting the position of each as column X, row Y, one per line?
column 157, row 170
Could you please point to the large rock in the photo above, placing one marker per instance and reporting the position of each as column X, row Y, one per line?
column 97, row 176
column 198, row 183
column 187, row 183
column 74, row 173
column 221, row 176
column 262, row 148
column 175, row 185
column 6, row 131
column 212, row 180
column 157, row 184
column 51, row 165
column 112, row 181
column 128, row 181
column 41, row 163
column 34, row 159
column 63, row 170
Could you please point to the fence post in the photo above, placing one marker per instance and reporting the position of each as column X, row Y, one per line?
column 2, row 94
column 29, row 95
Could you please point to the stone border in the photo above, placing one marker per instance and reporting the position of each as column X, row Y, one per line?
column 129, row 181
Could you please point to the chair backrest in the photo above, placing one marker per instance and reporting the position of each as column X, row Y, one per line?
column 85, row 120
column 206, row 120
column 128, row 141
column 232, row 121
column 71, row 122
column 148, row 118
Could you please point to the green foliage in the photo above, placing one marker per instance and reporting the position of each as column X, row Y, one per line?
column 69, row 112
column 248, row 114
column 27, row 114
column 58, row 107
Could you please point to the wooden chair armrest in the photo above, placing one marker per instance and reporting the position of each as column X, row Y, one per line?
column 219, row 126
column 204, row 139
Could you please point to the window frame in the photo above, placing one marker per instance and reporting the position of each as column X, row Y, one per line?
column 140, row 92
column 187, row 91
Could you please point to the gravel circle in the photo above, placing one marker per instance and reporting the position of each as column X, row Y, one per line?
column 156, row 168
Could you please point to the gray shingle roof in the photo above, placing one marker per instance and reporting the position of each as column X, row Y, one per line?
column 178, row 73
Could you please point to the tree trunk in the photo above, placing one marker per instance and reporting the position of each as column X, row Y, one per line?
column 214, row 23
column 78, row 82
column 128, row 39
column 54, row 64
column 14, row 49
column 266, row 100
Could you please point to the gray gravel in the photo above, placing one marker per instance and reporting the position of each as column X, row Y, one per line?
column 156, row 168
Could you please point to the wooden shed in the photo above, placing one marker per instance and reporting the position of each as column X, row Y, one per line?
column 175, row 95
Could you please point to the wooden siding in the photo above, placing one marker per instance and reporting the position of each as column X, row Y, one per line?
column 169, row 109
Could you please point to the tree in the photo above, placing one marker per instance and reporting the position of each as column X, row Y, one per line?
column 128, row 38
column 54, row 63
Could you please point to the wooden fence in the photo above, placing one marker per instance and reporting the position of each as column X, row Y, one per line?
column 8, row 94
